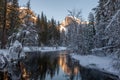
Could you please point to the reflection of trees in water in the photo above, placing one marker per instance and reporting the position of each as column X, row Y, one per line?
column 69, row 66
column 35, row 67
column 40, row 66
column 3, row 75
column 12, row 72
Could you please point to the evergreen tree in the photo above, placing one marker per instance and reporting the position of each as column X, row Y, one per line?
column 43, row 29
column 48, row 31
column 14, row 17
column 92, row 22
column 1, row 18
column 53, row 31
column 101, row 23
column 38, row 27
column 1, row 12
column 3, row 41
column 28, row 15
column 89, row 33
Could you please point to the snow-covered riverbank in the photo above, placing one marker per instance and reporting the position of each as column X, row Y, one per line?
column 101, row 63
column 12, row 54
column 43, row 49
column 5, row 52
column 32, row 49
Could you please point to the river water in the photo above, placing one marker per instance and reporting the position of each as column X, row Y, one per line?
column 50, row 66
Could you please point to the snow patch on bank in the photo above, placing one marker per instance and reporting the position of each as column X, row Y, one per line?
column 101, row 63
column 43, row 49
column 5, row 52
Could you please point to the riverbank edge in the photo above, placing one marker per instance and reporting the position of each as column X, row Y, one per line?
column 103, row 64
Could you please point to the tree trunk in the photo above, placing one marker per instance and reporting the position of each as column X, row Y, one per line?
column 3, row 43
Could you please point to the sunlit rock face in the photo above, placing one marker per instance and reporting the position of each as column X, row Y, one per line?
column 24, row 11
column 69, row 20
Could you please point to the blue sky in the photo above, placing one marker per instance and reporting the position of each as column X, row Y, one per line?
column 58, row 8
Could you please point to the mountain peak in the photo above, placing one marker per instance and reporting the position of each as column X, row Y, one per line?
column 70, row 19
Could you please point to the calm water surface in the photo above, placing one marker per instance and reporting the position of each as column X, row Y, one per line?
column 49, row 66
column 42, row 66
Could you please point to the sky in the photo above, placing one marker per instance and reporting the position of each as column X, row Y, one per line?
column 57, row 9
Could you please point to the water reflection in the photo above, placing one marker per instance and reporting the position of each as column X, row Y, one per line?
column 67, row 65
column 37, row 66
column 50, row 66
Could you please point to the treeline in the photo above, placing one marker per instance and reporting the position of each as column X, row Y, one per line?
column 13, row 19
column 48, row 31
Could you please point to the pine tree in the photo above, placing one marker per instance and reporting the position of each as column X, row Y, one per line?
column 28, row 15
column 14, row 17
column 1, row 18
column 43, row 29
column 101, row 23
column 1, row 12
column 92, row 22
column 48, row 31
column 3, row 42
column 89, row 33
column 53, row 30
column 38, row 27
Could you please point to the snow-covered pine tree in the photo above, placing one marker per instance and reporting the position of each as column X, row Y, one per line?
column 107, row 25
column 100, row 24
column 89, row 33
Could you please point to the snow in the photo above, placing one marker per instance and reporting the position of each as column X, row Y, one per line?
column 101, row 63
column 23, row 7
column 15, row 50
column 102, row 48
column 95, row 49
column 43, row 49
column 5, row 52
column 113, row 18
column 106, row 3
column 3, row 57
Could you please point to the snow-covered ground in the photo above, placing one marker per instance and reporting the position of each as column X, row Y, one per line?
column 43, row 49
column 5, row 52
column 32, row 49
column 101, row 63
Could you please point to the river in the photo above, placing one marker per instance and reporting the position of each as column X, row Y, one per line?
column 50, row 66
